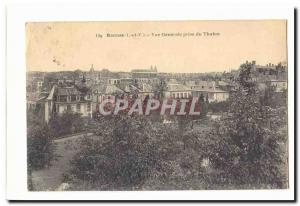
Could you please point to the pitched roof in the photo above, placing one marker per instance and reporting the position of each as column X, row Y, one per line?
column 67, row 91
column 106, row 89
column 178, row 87
column 209, row 90
column 50, row 96
column 112, row 89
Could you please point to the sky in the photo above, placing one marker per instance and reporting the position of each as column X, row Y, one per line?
column 171, row 46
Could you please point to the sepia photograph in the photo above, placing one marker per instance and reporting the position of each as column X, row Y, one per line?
column 157, row 105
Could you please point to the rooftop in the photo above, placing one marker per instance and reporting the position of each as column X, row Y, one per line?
column 177, row 87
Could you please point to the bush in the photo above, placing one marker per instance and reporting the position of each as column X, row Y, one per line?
column 217, row 107
column 251, row 146
column 123, row 158
column 67, row 123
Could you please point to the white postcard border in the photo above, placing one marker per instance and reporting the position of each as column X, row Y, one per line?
column 17, row 15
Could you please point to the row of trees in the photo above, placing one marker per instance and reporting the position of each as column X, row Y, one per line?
column 252, row 137
column 247, row 148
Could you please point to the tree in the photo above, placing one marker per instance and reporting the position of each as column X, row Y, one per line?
column 67, row 123
column 160, row 89
column 203, row 106
column 40, row 149
column 217, row 107
column 123, row 158
column 251, row 147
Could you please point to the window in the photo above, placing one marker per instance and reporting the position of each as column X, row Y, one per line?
column 174, row 96
column 81, row 98
column 185, row 95
column 73, row 98
column 68, row 108
column 63, row 98
column 77, row 107
column 89, row 107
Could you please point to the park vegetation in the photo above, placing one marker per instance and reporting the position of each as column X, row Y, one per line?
column 245, row 149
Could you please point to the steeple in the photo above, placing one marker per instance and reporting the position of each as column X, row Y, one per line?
column 92, row 68
column 83, row 79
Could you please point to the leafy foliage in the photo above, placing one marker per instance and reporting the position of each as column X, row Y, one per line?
column 246, row 149
column 40, row 150
column 252, row 138
column 67, row 123
column 122, row 158
column 217, row 107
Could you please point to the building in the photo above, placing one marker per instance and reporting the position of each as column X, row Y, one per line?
column 59, row 100
column 279, row 85
column 33, row 98
column 101, row 92
column 114, row 81
column 145, row 90
column 71, row 99
column 144, row 73
column 212, row 95
column 178, row 91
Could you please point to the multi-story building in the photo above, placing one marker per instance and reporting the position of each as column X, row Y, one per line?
column 104, row 91
column 59, row 100
column 71, row 99
column 178, row 91
column 209, row 90
column 144, row 73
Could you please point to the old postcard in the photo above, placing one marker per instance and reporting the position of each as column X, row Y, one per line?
column 157, row 105
column 168, row 105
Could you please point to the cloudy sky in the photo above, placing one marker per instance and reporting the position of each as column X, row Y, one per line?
column 57, row 46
